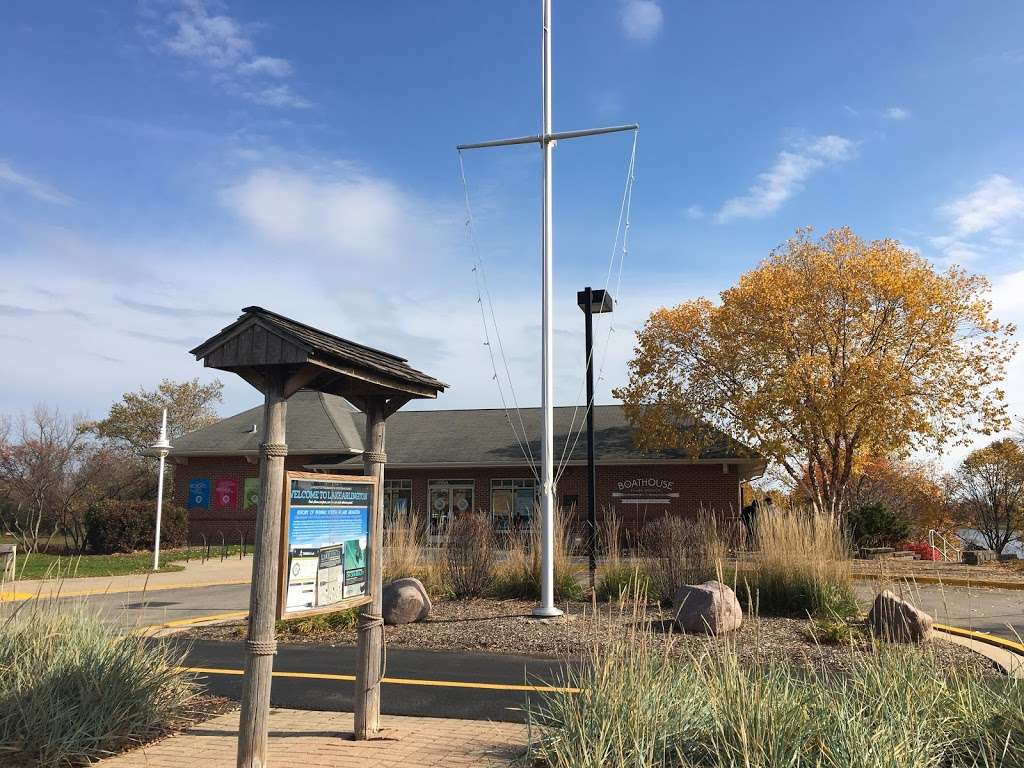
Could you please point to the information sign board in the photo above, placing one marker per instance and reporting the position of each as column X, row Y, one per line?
column 325, row 540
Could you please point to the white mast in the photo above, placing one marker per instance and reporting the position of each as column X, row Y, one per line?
column 547, row 140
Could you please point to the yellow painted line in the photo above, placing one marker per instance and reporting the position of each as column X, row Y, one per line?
column 121, row 591
column 10, row 597
column 189, row 622
column 982, row 637
column 391, row 680
column 951, row 581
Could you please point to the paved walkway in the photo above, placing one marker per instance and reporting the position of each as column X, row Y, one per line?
column 300, row 738
column 196, row 573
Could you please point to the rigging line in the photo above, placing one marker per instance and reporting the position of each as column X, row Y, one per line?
column 627, row 194
column 618, row 286
column 480, row 276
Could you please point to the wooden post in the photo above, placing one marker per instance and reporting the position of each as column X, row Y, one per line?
column 261, row 645
column 371, row 623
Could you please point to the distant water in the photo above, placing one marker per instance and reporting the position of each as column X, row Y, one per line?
column 971, row 535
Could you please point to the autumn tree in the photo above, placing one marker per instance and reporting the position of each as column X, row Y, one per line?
column 133, row 423
column 912, row 489
column 829, row 350
column 989, row 485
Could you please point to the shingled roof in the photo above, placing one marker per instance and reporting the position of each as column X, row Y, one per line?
column 259, row 339
column 325, row 425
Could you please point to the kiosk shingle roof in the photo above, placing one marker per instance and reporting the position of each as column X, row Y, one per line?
column 326, row 425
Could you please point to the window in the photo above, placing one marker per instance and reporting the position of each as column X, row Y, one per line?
column 397, row 498
column 512, row 503
column 448, row 498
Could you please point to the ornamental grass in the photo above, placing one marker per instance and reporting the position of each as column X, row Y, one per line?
column 73, row 689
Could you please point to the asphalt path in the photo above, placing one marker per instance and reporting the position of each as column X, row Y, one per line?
column 497, row 694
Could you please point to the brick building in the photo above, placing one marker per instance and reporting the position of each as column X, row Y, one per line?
column 442, row 463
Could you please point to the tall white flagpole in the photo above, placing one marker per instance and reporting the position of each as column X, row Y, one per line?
column 162, row 446
column 547, row 492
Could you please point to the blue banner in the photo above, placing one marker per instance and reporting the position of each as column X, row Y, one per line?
column 199, row 493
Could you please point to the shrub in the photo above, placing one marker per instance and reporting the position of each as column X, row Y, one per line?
column 681, row 551
column 518, row 575
column 113, row 525
column 875, row 525
column 924, row 550
column 470, row 556
column 803, row 566
column 645, row 707
column 620, row 582
column 75, row 689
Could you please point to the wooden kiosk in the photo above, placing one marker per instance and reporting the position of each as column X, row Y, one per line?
column 279, row 356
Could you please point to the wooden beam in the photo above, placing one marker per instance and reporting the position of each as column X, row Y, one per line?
column 379, row 380
column 301, row 378
column 260, row 645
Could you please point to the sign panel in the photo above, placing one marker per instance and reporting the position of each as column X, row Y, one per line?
column 226, row 493
column 645, row 490
column 251, row 493
column 325, row 538
column 199, row 493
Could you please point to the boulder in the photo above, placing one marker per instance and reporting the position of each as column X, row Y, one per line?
column 405, row 601
column 894, row 619
column 710, row 607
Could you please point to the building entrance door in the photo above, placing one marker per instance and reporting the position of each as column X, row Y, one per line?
column 447, row 499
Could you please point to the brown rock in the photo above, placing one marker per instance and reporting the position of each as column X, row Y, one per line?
column 710, row 607
column 405, row 601
column 897, row 621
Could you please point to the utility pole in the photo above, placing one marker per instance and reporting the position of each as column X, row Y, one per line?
column 592, row 302
column 162, row 446
column 547, row 140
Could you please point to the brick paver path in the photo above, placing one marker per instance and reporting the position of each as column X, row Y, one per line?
column 299, row 739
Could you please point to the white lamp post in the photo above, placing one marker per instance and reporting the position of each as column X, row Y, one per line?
column 162, row 447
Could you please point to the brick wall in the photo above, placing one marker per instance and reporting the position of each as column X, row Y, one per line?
column 693, row 488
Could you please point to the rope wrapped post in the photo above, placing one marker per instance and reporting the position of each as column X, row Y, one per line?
column 371, row 624
column 261, row 645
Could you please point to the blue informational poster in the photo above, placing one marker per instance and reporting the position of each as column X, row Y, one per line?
column 328, row 528
column 199, row 493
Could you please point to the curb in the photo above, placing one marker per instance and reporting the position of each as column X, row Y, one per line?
column 982, row 637
column 952, row 581
column 59, row 594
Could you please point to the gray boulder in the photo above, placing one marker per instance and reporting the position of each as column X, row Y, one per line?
column 710, row 607
column 894, row 619
column 405, row 601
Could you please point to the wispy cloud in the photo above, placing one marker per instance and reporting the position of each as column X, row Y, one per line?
column 994, row 201
column 695, row 212
column 896, row 113
column 32, row 187
column 13, row 310
column 223, row 46
column 642, row 20
column 163, row 310
column 174, row 341
column 786, row 177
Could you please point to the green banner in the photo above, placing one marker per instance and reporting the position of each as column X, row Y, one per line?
column 251, row 493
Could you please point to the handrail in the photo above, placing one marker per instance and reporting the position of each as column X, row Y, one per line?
column 946, row 546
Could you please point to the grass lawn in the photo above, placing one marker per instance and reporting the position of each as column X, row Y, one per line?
column 42, row 566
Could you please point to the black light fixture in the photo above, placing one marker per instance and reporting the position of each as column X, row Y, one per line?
column 592, row 302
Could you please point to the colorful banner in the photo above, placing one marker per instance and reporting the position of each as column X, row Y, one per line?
column 251, row 493
column 328, row 529
column 225, row 492
column 199, row 493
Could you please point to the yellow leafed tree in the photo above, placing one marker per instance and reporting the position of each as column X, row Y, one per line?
column 829, row 350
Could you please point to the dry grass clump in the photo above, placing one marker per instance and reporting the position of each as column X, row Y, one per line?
column 470, row 556
column 680, row 551
column 518, row 575
column 407, row 553
column 74, row 690
column 641, row 705
column 802, row 566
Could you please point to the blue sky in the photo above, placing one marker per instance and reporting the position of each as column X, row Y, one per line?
column 165, row 163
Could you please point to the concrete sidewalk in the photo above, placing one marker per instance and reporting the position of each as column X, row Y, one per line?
column 195, row 574
column 301, row 738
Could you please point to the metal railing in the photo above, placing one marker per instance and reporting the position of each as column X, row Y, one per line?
column 946, row 549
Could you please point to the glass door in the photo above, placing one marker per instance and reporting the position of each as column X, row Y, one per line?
column 447, row 498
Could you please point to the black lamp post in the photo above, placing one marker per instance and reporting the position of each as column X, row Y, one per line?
column 592, row 302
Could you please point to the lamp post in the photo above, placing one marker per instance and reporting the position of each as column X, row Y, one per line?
column 162, row 446
column 592, row 302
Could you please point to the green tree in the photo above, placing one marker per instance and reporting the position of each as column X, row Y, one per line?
column 989, row 486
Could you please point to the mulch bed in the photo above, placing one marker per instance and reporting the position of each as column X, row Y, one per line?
column 505, row 627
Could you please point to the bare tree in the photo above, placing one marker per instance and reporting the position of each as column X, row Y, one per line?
column 45, row 475
column 989, row 487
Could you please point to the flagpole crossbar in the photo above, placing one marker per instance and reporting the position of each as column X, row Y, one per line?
column 558, row 136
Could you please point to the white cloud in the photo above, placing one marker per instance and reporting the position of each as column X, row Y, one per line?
column 223, row 46
column 695, row 212
column 896, row 113
column 33, row 187
column 641, row 19
column 787, row 176
column 993, row 202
